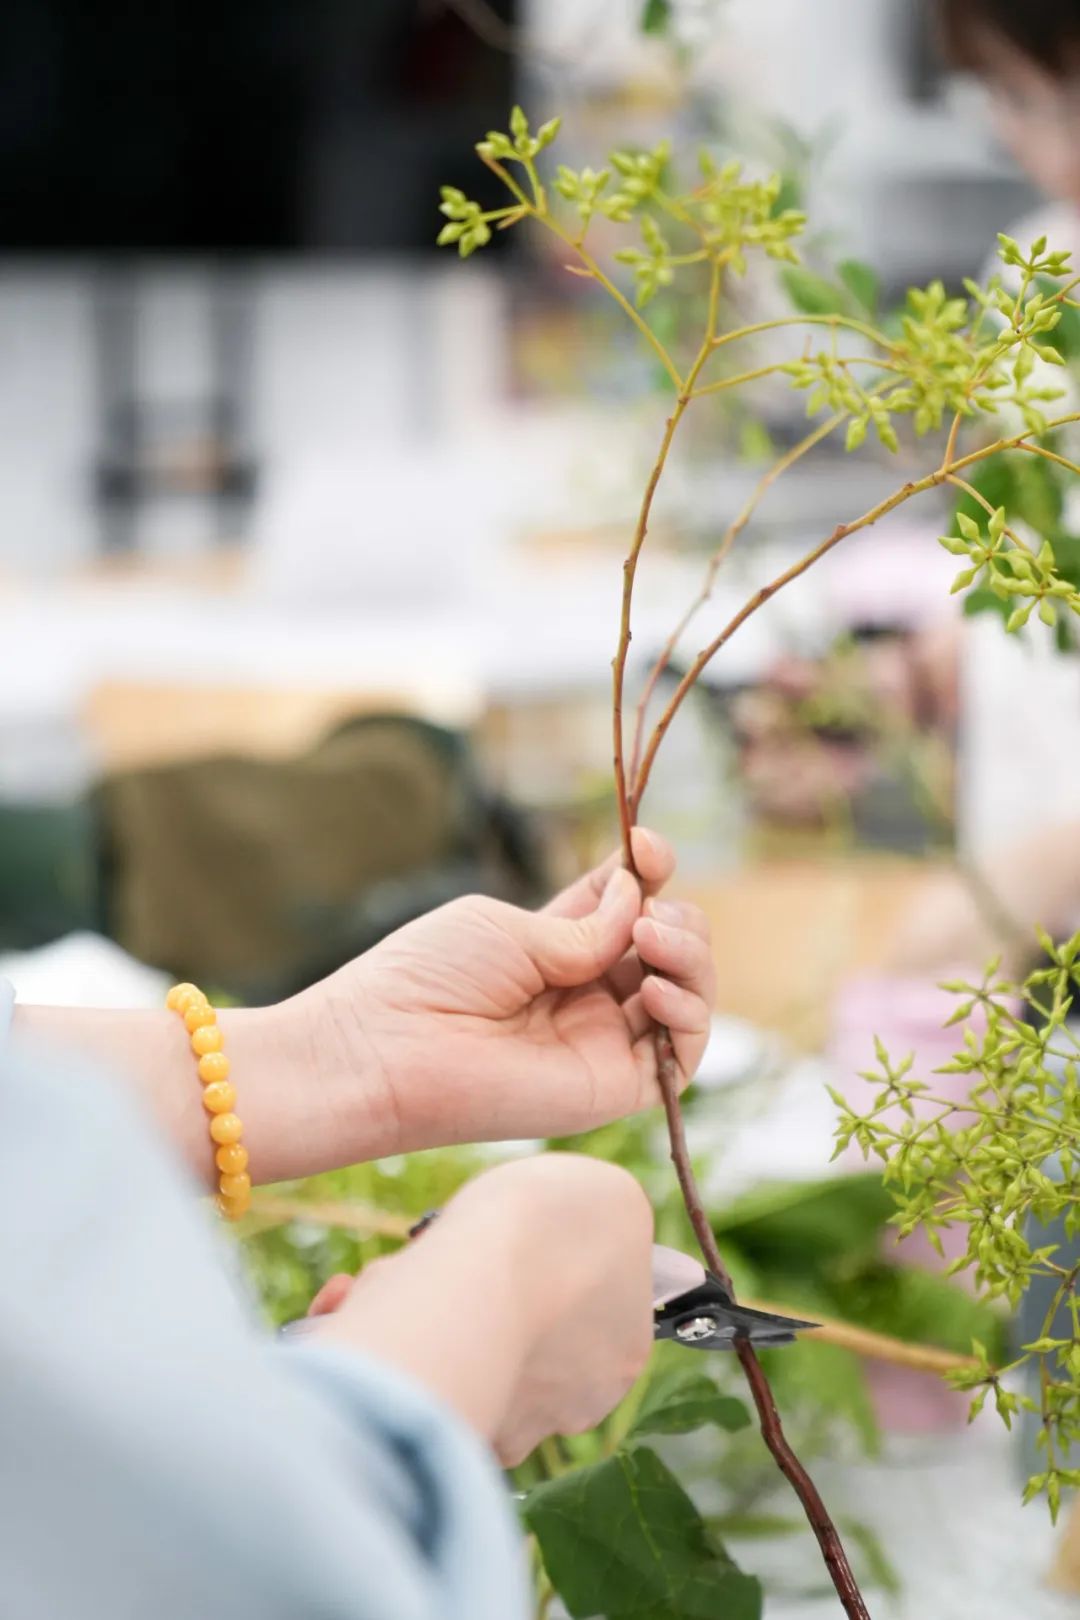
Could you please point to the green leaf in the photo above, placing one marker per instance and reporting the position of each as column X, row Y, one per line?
column 811, row 294
column 680, row 1398
column 861, row 282
column 622, row 1538
column 1066, row 549
column 813, row 1222
column 984, row 601
column 655, row 17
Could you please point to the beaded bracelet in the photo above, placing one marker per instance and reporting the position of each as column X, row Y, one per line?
column 219, row 1097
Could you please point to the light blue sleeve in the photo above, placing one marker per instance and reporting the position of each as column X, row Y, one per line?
column 161, row 1455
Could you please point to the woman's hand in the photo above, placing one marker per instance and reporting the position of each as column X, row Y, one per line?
column 527, row 1306
column 479, row 1021
column 485, row 1022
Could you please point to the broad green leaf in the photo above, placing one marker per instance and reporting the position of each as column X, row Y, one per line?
column 812, row 294
column 622, row 1539
column 862, row 283
column 656, row 16
column 812, row 1221
column 920, row 1306
column 984, row 601
column 682, row 1398
column 1027, row 487
column 825, row 1381
column 1067, row 557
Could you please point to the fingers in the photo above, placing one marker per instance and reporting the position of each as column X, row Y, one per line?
column 331, row 1295
column 653, row 857
column 571, row 950
column 677, row 953
column 681, row 989
column 679, row 914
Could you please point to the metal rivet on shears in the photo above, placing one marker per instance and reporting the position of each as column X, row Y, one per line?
column 698, row 1327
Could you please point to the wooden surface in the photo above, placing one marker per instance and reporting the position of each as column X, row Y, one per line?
column 139, row 723
column 787, row 932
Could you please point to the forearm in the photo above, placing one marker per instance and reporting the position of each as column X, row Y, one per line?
column 300, row 1113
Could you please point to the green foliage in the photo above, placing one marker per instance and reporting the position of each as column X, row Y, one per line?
column 290, row 1262
column 800, row 1225
column 1002, row 1166
column 655, row 16
column 1000, row 562
column 862, row 283
column 813, row 294
column 622, row 1538
column 679, row 1399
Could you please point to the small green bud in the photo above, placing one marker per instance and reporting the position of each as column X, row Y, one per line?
column 856, row 433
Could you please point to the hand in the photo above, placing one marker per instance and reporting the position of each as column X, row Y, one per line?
column 536, row 1288
column 485, row 1022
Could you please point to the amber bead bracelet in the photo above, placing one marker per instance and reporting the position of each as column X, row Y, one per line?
column 218, row 1098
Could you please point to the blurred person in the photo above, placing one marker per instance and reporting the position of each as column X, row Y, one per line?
column 160, row 1455
column 1028, row 57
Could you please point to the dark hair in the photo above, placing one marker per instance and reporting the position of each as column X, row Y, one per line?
column 1047, row 31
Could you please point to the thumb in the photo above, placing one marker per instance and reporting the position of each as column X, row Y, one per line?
column 569, row 951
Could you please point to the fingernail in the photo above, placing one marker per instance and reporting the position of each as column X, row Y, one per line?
column 649, row 838
column 666, row 911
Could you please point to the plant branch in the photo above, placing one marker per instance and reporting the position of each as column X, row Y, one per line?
column 622, row 651
column 1051, row 455
column 832, row 321
column 758, row 600
column 772, row 1430
column 731, row 534
column 350, row 1217
column 988, row 508
column 635, row 315
column 945, row 472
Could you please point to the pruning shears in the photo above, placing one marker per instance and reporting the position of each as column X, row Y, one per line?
column 692, row 1307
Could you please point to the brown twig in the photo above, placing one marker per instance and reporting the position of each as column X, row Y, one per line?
column 731, row 534
column 622, row 651
column 272, row 1210
column 764, row 594
column 772, row 1430
column 269, row 1210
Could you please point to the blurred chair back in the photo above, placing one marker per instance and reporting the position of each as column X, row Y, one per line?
column 258, row 875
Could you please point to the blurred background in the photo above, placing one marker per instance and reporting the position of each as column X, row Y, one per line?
column 310, row 545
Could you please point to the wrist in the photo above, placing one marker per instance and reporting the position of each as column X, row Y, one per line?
column 335, row 1097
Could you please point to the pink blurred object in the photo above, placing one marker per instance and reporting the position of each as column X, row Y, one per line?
column 898, row 575
column 909, row 1017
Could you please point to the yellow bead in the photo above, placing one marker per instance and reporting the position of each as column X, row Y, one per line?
column 214, row 1066
column 181, row 993
column 232, row 1159
column 238, row 1186
column 226, row 1128
column 206, row 1039
column 198, row 1014
column 219, row 1097
column 234, row 1208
